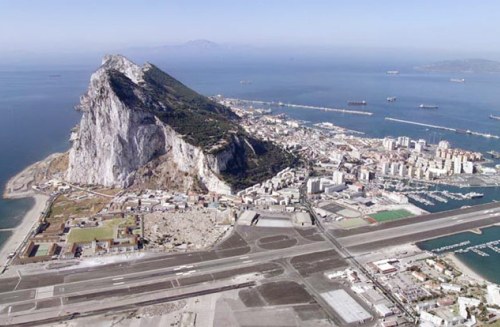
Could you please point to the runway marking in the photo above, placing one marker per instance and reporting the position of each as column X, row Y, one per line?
column 244, row 257
column 118, row 278
column 179, row 273
column 44, row 292
column 247, row 261
column 458, row 221
column 177, row 268
column 120, row 283
column 189, row 267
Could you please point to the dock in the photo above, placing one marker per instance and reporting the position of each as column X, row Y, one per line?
column 291, row 105
column 468, row 132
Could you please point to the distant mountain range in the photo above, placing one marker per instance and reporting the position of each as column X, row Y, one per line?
column 462, row 66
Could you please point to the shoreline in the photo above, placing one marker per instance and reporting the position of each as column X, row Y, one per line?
column 465, row 269
column 22, row 230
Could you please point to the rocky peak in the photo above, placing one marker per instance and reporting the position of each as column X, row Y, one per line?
column 123, row 65
column 136, row 118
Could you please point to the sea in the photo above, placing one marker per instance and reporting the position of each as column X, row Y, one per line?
column 37, row 105
column 486, row 265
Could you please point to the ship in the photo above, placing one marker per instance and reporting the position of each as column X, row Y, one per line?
column 494, row 154
column 428, row 106
column 494, row 117
column 392, row 72
column 457, row 80
column 357, row 103
column 391, row 99
column 245, row 82
column 475, row 195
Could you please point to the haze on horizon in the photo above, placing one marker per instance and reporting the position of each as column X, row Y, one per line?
column 58, row 27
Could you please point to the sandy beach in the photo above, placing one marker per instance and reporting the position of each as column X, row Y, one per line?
column 464, row 268
column 22, row 230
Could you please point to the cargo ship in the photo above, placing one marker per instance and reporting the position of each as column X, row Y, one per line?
column 391, row 99
column 428, row 106
column 495, row 117
column 392, row 72
column 357, row 103
column 457, row 80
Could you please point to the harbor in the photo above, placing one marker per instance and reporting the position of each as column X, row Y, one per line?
column 469, row 132
column 478, row 251
column 300, row 106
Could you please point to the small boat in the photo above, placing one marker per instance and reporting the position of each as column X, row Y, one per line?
column 457, row 80
column 392, row 72
column 391, row 99
column 494, row 117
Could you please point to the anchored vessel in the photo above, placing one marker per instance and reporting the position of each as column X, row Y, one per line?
column 428, row 106
column 357, row 103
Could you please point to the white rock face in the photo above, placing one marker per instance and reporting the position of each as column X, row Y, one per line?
column 114, row 138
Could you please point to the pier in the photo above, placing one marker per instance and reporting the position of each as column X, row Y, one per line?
column 468, row 132
column 340, row 110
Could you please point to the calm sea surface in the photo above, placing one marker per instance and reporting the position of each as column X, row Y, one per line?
column 36, row 107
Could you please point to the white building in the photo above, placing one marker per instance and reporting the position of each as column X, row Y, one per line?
column 468, row 167
column 385, row 167
column 394, row 168
column 457, row 166
column 404, row 141
column 444, row 145
column 338, row 177
column 389, row 143
column 313, row 185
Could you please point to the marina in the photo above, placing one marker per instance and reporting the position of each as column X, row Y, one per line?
column 478, row 250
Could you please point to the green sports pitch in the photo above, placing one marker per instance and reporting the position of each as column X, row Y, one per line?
column 383, row 216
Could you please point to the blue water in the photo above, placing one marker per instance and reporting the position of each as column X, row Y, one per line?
column 488, row 267
column 37, row 113
column 36, row 116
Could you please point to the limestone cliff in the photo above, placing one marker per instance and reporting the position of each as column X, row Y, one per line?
column 136, row 120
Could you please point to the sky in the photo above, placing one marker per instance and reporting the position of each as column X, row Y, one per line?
column 62, row 26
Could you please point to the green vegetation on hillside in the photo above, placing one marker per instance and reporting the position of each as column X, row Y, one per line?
column 203, row 123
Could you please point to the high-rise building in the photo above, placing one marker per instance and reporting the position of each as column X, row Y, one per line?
column 394, row 168
column 313, row 185
column 389, row 143
column 385, row 167
column 404, row 141
column 338, row 177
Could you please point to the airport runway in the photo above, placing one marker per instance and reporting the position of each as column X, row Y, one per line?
column 55, row 292
column 65, row 289
column 418, row 231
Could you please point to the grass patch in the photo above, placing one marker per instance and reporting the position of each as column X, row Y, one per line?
column 85, row 235
column 383, row 216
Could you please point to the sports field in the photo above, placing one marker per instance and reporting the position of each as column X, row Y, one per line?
column 383, row 216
